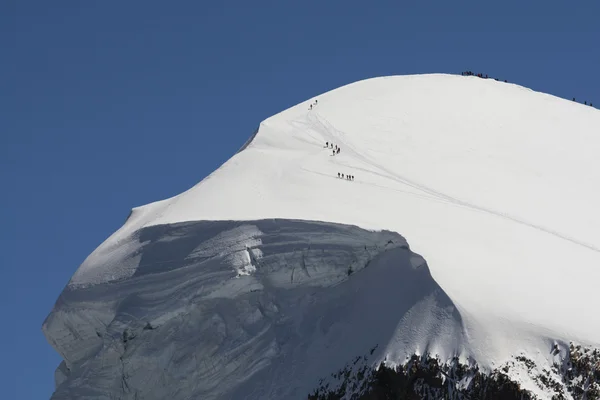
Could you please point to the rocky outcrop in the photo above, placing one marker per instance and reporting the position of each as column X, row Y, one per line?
column 428, row 378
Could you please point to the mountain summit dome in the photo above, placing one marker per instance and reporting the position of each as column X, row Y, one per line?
column 468, row 228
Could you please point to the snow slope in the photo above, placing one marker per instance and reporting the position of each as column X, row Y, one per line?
column 495, row 185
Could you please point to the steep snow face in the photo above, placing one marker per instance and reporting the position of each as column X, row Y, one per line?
column 252, row 310
column 495, row 185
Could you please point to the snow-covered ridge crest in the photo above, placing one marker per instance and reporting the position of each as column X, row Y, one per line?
column 495, row 185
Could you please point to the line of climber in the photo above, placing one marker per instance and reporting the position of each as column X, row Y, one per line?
column 347, row 177
column 585, row 102
column 313, row 104
column 335, row 150
column 483, row 76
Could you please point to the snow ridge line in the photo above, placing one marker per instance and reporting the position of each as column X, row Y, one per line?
column 320, row 123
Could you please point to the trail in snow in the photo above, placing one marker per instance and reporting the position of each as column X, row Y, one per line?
column 329, row 132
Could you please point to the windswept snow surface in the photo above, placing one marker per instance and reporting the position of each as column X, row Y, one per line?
column 495, row 185
column 247, row 310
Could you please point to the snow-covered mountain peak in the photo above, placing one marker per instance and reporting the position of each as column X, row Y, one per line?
column 493, row 184
column 482, row 142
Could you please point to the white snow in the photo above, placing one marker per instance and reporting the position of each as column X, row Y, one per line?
column 495, row 185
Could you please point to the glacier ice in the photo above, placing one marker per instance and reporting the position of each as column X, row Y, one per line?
column 189, row 324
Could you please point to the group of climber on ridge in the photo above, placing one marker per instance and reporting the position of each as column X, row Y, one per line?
column 335, row 150
column 485, row 76
column 347, row 177
column 585, row 102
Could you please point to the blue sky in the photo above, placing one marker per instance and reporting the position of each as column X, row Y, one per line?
column 110, row 105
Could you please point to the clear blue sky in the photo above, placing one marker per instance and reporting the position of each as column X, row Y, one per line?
column 107, row 105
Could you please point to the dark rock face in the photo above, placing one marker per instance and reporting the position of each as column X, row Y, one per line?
column 424, row 377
